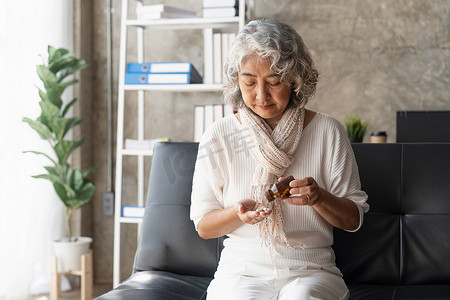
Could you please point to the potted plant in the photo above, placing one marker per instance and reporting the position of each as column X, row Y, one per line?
column 71, row 185
column 355, row 128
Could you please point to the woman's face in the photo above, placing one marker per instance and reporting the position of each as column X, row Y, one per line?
column 262, row 90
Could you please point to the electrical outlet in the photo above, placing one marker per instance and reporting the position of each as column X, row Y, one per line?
column 108, row 203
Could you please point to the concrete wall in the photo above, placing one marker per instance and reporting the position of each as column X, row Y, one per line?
column 374, row 58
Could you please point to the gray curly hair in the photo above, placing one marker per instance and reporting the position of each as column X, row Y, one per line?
column 273, row 39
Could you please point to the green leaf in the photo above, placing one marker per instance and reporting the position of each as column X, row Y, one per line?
column 67, row 83
column 40, row 153
column 61, row 191
column 87, row 171
column 56, row 90
column 62, row 61
column 52, row 170
column 66, row 64
column 50, row 177
column 54, row 96
column 76, row 180
column 63, row 149
column 66, row 109
column 51, row 52
column 86, row 193
column 81, row 197
column 49, row 110
column 55, row 54
column 47, row 77
column 43, row 131
column 43, row 95
column 69, row 70
column 43, row 119
column 69, row 193
column 62, row 125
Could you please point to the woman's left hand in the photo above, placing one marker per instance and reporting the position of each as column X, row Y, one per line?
column 304, row 191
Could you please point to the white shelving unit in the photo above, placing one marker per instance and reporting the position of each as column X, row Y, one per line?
column 207, row 26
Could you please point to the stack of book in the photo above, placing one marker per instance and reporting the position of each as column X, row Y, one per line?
column 205, row 115
column 161, row 11
column 162, row 73
column 220, row 8
column 130, row 211
column 221, row 44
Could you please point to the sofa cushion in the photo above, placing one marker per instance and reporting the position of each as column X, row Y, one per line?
column 370, row 255
column 168, row 240
column 426, row 209
column 371, row 292
column 160, row 285
column 392, row 292
column 422, row 292
column 426, row 178
column 380, row 170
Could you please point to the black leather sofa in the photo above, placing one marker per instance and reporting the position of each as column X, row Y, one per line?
column 400, row 252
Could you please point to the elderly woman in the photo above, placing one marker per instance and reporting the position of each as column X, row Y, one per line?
column 279, row 249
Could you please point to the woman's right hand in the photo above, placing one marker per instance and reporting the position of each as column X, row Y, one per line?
column 251, row 211
column 220, row 222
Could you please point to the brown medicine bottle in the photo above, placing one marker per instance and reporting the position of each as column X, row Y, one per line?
column 280, row 189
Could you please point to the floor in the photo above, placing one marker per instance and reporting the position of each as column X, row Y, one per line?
column 74, row 294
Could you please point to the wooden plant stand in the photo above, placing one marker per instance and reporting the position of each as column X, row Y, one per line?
column 85, row 273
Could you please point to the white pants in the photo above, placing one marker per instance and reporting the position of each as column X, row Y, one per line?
column 264, row 282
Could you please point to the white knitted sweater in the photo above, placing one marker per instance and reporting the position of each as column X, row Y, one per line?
column 223, row 175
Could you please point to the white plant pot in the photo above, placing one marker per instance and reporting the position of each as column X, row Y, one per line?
column 69, row 253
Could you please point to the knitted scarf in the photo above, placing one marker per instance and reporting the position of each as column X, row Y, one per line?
column 273, row 153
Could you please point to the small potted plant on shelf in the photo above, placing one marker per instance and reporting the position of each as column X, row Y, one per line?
column 356, row 129
column 71, row 185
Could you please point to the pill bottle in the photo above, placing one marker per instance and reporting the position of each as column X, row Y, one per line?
column 280, row 189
